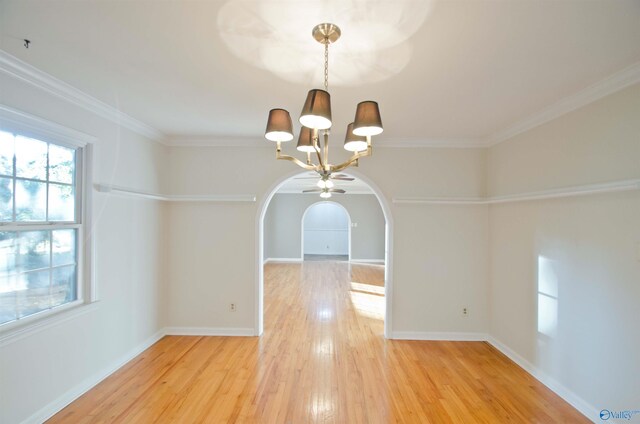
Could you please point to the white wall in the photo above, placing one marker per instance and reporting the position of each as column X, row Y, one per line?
column 590, row 246
column 51, row 364
column 441, row 267
column 440, row 252
column 282, row 237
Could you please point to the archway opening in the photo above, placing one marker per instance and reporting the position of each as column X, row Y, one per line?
column 326, row 232
column 386, row 264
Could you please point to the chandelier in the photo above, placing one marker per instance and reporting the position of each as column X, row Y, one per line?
column 316, row 118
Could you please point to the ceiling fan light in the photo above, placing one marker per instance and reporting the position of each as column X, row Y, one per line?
column 352, row 142
column 305, row 140
column 279, row 127
column 316, row 112
column 325, row 195
column 367, row 121
column 321, row 184
column 328, row 184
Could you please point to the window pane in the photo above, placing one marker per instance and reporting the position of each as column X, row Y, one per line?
column 6, row 153
column 64, row 247
column 7, row 298
column 61, row 164
column 31, row 201
column 63, row 289
column 31, row 158
column 61, row 203
column 35, row 297
column 8, row 251
column 38, row 268
column 6, row 199
column 33, row 250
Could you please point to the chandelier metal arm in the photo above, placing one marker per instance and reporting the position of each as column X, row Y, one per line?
column 353, row 159
column 326, row 164
column 279, row 155
column 316, row 147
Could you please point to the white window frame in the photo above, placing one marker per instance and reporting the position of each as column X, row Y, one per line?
column 24, row 124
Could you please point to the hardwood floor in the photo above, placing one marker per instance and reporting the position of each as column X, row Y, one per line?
column 322, row 359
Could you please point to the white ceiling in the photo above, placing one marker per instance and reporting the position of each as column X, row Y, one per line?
column 440, row 70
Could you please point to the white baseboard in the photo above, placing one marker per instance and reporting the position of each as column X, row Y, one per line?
column 570, row 397
column 271, row 260
column 368, row 261
column 437, row 335
column 58, row 404
column 209, row 331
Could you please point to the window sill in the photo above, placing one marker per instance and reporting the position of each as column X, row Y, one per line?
column 17, row 330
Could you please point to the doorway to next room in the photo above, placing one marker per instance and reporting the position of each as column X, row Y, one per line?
column 326, row 258
column 326, row 232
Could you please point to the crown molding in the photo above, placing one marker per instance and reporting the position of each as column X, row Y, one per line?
column 21, row 70
column 217, row 141
column 609, row 85
column 444, row 143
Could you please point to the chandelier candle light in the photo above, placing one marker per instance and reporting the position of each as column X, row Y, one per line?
column 316, row 117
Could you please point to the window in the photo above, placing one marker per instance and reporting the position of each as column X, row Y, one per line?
column 41, row 215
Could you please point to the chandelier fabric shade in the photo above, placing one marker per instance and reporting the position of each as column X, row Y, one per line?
column 354, row 143
column 305, row 140
column 279, row 126
column 316, row 112
column 367, row 121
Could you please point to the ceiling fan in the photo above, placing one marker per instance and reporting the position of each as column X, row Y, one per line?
column 343, row 177
column 325, row 192
column 326, row 177
column 325, row 184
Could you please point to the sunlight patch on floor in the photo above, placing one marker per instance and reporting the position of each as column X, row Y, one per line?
column 367, row 288
column 368, row 300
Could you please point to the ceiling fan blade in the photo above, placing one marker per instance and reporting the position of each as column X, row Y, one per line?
column 340, row 176
column 305, row 178
column 337, row 190
column 343, row 178
column 313, row 190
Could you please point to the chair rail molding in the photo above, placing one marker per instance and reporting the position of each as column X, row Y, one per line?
column 584, row 190
column 125, row 191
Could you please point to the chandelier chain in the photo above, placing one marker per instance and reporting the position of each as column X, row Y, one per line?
column 326, row 64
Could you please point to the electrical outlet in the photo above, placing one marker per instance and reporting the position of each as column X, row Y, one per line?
column 465, row 312
column 232, row 307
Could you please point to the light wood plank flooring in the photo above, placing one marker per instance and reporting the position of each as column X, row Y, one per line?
column 322, row 359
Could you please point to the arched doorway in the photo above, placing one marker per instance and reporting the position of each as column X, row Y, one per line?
column 326, row 232
column 388, row 254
